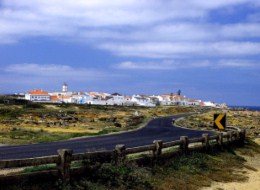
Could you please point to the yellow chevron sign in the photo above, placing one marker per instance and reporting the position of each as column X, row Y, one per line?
column 220, row 121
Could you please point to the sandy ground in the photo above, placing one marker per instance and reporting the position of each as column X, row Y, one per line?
column 253, row 182
column 4, row 172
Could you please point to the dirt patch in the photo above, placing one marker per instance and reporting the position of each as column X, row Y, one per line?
column 10, row 171
column 251, row 171
column 64, row 130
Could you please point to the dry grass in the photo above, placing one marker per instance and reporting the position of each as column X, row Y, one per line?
column 249, row 120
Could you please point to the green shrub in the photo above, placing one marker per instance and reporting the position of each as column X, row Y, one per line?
column 9, row 113
column 40, row 168
column 111, row 176
column 195, row 162
column 34, row 105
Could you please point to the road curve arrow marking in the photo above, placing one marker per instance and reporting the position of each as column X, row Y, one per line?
column 218, row 121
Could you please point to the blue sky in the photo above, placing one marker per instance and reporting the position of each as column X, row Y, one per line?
column 208, row 49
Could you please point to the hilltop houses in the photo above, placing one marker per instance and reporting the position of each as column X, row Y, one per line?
column 142, row 100
column 37, row 96
column 173, row 99
column 81, row 98
column 102, row 98
column 116, row 99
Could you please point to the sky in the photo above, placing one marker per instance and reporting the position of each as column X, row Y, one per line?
column 210, row 50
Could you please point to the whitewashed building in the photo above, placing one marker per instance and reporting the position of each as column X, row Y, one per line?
column 142, row 100
column 116, row 99
column 192, row 102
column 209, row 104
column 37, row 96
column 82, row 98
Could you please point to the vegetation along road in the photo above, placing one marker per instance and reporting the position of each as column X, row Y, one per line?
column 160, row 128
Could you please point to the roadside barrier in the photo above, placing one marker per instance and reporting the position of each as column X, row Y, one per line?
column 118, row 156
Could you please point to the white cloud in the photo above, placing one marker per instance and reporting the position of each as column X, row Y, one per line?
column 238, row 63
column 140, row 28
column 219, row 3
column 177, row 32
column 49, row 77
column 174, row 32
column 63, row 15
column 164, row 65
column 69, row 17
column 188, row 64
column 151, row 49
column 230, row 48
column 172, row 50
column 240, row 30
column 57, row 71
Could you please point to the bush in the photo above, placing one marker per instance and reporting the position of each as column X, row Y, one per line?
column 195, row 162
column 9, row 113
column 111, row 176
column 33, row 105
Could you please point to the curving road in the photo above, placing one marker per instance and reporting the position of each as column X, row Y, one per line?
column 156, row 129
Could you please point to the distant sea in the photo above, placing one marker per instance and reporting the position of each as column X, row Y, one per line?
column 251, row 108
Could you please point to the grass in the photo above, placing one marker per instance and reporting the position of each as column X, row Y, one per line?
column 24, row 136
column 249, row 120
column 46, row 167
column 8, row 113
column 39, row 168
column 139, row 155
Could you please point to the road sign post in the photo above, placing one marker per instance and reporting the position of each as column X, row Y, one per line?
column 220, row 121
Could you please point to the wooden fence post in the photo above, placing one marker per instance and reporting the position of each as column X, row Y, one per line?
column 120, row 155
column 220, row 139
column 158, row 148
column 64, row 164
column 184, row 146
column 205, row 141
column 233, row 136
column 237, row 136
column 242, row 136
column 229, row 135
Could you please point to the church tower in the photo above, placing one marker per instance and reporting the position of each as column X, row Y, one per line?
column 64, row 87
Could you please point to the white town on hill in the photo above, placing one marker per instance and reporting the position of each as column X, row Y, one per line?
column 101, row 98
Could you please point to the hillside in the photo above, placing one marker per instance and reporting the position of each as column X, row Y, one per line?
column 42, row 123
column 33, row 123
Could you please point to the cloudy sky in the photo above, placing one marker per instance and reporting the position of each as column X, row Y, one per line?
column 208, row 49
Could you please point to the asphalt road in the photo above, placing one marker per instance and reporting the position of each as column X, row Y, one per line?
column 157, row 129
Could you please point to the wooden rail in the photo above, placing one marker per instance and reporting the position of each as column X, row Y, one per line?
column 65, row 157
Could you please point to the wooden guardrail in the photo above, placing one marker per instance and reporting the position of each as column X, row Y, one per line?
column 65, row 157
